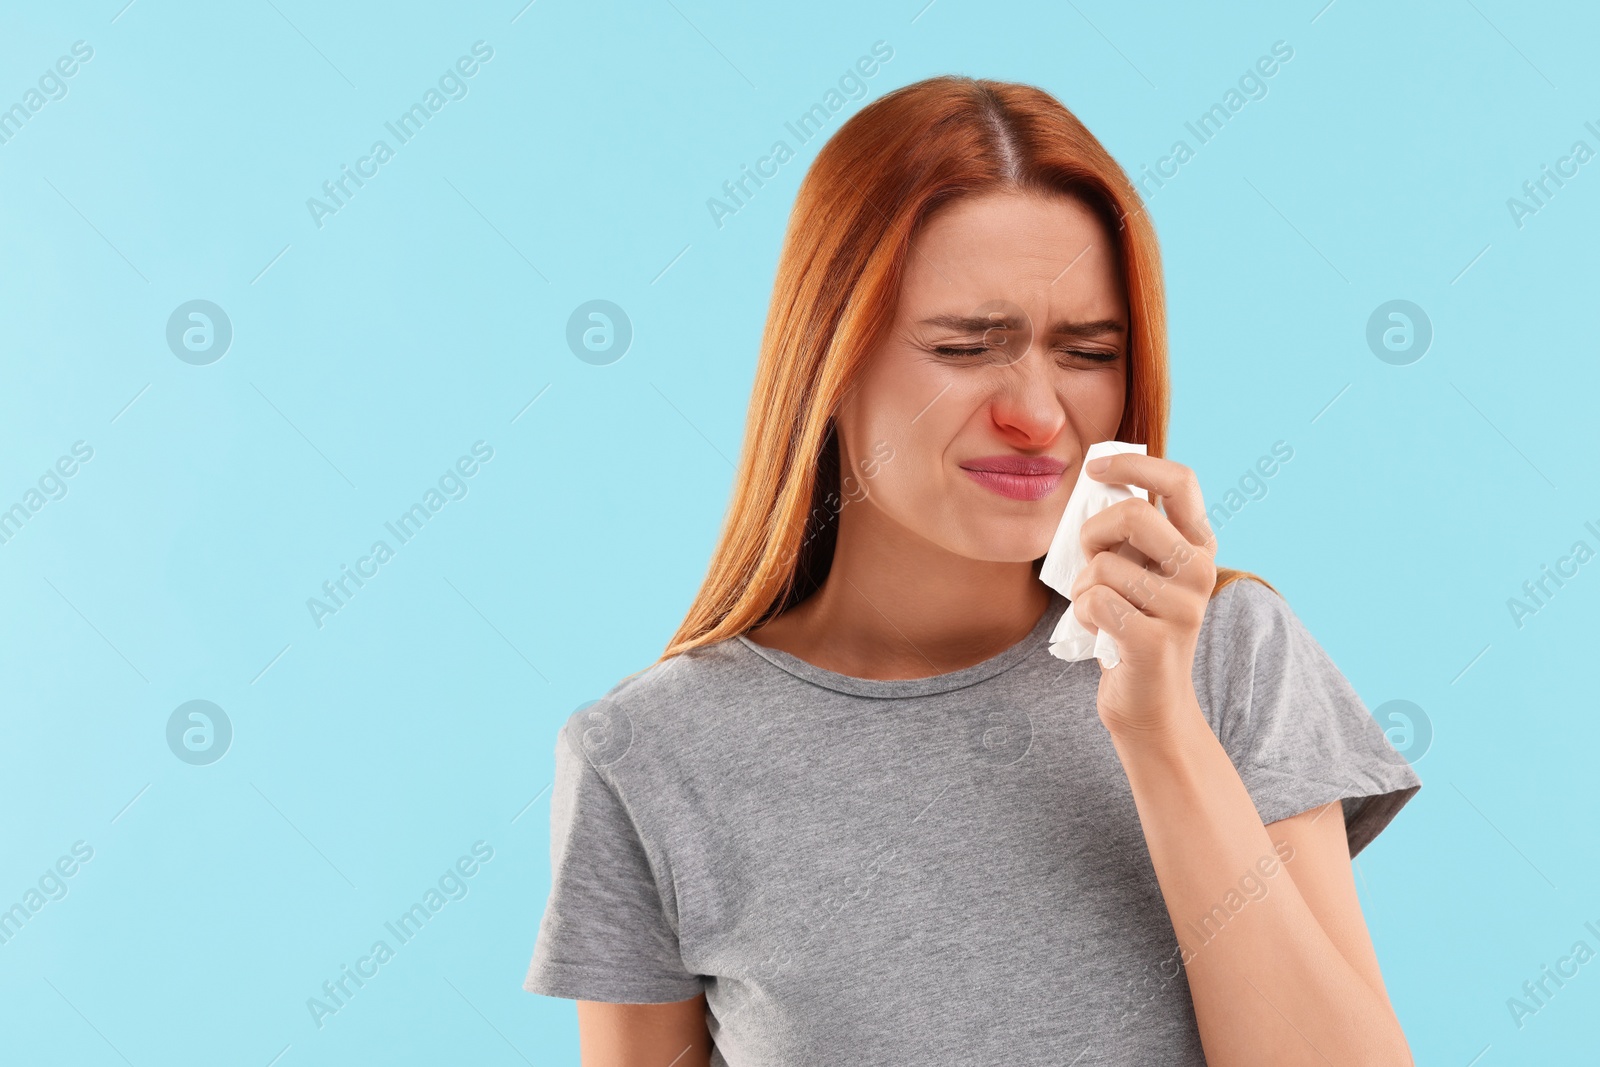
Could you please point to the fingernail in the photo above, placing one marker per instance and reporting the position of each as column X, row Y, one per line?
column 1098, row 466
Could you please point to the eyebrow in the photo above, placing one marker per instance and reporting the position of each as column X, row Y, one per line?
column 1064, row 328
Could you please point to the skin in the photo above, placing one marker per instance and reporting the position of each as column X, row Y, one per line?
column 934, row 572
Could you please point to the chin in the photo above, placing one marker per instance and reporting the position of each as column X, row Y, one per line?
column 1007, row 545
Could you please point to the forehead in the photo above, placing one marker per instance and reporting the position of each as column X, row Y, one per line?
column 1047, row 252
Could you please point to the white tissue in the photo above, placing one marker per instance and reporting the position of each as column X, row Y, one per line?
column 1071, row 640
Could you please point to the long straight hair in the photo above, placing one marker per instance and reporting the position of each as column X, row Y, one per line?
column 870, row 188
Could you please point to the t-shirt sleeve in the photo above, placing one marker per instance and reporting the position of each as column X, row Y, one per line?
column 1294, row 727
column 606, row 934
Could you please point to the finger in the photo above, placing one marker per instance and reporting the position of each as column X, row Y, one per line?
column 1102, row 609
column 1139, row 524
column 1173, row 485
column 1143, row 587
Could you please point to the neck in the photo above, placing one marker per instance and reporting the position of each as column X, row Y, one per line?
column 895, row 605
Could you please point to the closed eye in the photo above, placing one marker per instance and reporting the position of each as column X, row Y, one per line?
column 958, row 351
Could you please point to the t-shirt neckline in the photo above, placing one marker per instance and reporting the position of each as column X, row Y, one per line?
column 1036, row 639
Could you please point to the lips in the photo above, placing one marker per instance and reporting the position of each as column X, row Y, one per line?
column 1017, row 477
column 1025, row 465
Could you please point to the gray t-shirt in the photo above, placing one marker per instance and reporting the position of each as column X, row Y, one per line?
column 942, row 870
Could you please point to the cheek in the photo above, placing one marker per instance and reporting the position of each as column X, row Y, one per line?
column 1102, row 384
column 914, row 484
column 1097, row 403
column 900, row 406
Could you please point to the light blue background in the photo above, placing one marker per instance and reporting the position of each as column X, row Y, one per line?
column 431, row 310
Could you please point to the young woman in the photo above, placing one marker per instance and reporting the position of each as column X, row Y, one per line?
column 857, row 812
